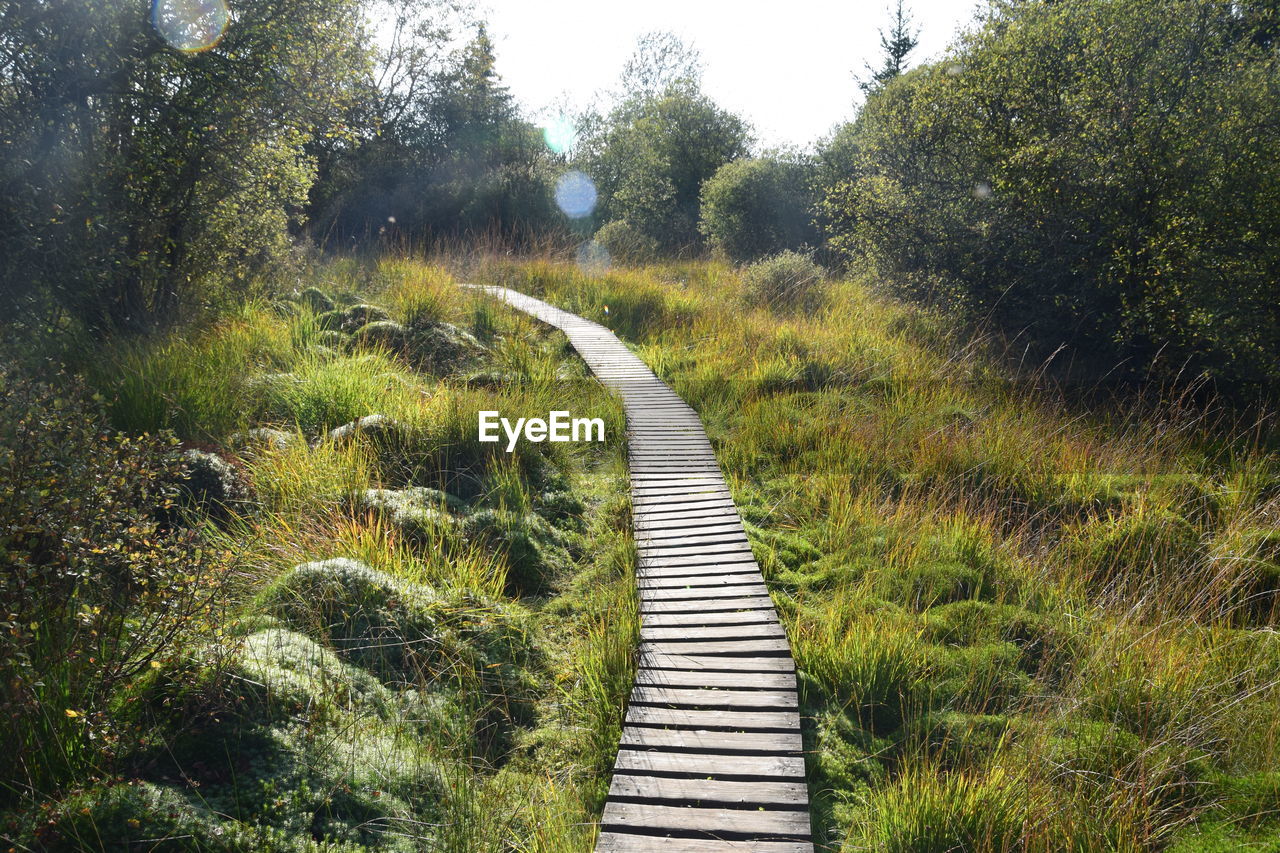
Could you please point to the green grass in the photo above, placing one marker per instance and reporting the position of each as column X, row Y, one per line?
column 378, row 678
column 1022, row 620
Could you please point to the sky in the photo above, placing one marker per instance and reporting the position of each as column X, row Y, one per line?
column 787, row 67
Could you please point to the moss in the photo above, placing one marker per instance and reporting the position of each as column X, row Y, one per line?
column 984, row 678
column 281, row 674
column 138, row 816
column 845, row 755
column 420, row 514
column 317, row 300
column 371, row 618
column 957, row 740
column 534, row 550
column 1041, row 638
column 786, row 548
column 1148, row 543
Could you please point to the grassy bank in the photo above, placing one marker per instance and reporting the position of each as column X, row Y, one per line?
column 1021, row 622
column 405, row 639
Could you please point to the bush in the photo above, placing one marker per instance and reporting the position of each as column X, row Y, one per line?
column 1090, row 173
column 787, row 281
column 627, row 244
column 94, row 590
column 758, row 207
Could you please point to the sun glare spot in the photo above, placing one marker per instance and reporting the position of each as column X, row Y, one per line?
column 190, row 25
column 575, row 194
column 560, row 134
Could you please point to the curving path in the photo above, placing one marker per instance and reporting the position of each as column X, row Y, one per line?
column 710, row 759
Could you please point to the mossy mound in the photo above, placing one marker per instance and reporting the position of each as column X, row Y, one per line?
column 534, row 550
column 376, row 428
column 382, row 334
column 281, row 674
column 372, row 619
column 317, row 300
column 419, row 514
column 213, row 484
column 408, row 634
column 351, row 319
column 1148, row 544
column 441, row 348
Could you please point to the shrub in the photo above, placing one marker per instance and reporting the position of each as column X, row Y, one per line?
column 788, row 281
column 753, row 208
column 627, row 244
column 94, row 590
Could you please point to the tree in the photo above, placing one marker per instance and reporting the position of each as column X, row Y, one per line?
column 1099, row 174
column 659, row 61
column 759, row 206
column 897, row 44
column 452, row 157
column 650, row 155
column 140, row 175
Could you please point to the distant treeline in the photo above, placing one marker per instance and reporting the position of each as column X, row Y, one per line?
column 1095, row 176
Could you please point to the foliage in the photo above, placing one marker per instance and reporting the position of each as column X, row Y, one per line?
column 139, row 177
column 650, row 155
column 626, row 244
column 897, row 45
column 1020, row 622
column 786, row 281
column 1091, row 173
column 759, row 206
column 445, row 152
column 96, row 591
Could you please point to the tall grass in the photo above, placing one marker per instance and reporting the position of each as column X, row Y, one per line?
column 1047, row 623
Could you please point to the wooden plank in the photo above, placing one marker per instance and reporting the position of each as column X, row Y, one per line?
column 637, row 737
column 646, row 572
column 755, row 602
column 684, row 819
column 625, row 842
column 693, row 718
column 734, row 545
column 693, row 697
column 708, row 633
column 712, row 581
column 741, row 590
column 703, row 678
column 730, row 793
column 740, row 648
column 693, row 560
column 730, row 663
column 693, row 620
column 706, row 764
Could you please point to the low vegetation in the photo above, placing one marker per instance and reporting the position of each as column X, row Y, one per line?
column 1020, row 622
column 320, row 615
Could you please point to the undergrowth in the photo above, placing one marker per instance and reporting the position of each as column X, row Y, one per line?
column 1023, row 619
column 392, row 636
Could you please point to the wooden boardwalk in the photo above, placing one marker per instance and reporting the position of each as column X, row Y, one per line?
column 710, row 759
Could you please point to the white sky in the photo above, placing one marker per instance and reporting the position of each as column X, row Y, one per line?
column 787, row 67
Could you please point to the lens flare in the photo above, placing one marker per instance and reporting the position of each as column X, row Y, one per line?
column 560, row 134
column 594, row 258
column 575, row 194
column 190, row 25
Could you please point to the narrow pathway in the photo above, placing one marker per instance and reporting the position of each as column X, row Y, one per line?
column 710, row 759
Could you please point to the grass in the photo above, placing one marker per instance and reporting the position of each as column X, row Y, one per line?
column 377, row 678
column 1022, row 620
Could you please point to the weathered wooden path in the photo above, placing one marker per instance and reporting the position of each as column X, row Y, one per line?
column 710, row 759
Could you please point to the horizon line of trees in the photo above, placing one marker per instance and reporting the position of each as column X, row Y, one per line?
column 1099, row 175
